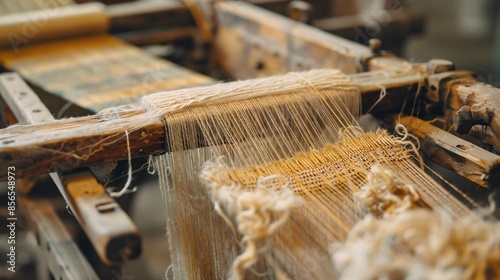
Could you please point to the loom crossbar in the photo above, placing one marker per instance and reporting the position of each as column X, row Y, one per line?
column 101, row 138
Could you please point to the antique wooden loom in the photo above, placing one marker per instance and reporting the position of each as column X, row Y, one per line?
column 268, row 45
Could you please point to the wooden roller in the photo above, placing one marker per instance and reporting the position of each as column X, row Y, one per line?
column 20, row 29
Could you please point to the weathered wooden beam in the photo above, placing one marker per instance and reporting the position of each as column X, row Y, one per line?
column 110, row 230
column 71, row 143
column 61, row 253
column 254, row 42
column 477, row 97
column 141, row 15
column 93, row 141
column 462, row 157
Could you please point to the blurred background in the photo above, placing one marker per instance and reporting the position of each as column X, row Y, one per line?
column 466, row 32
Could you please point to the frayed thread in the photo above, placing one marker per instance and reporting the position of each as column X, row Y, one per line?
column 409, row 243
column 420, row 244
column 410, row 142
column 385, row 193
column 125, row 188
column 257, row 213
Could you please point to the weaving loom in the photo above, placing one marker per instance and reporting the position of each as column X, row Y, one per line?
column 271, row 177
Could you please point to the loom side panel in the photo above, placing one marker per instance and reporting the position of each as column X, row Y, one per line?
column 252, row 42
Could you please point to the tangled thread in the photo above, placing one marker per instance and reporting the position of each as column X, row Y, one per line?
column 257, row 213
column 385, row 193
column 420, row 244
column 409, row 243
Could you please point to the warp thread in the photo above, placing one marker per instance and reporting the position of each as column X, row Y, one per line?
column 258, row 213
column 291, row 133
